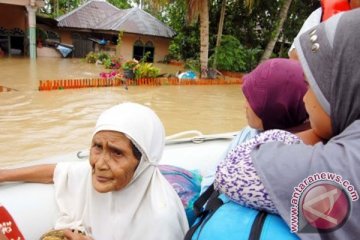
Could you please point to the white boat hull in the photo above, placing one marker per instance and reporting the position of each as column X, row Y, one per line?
column 33, row 208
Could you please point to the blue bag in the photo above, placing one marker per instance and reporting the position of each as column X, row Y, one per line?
column 222, row 218
column 187, row 185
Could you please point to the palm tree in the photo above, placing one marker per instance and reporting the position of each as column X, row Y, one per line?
column 274, row 37
column 199, row 9
column 196, row 9
column 220, row 30
column 248, row 3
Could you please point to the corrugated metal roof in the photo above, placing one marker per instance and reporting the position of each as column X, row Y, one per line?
column 101, row 15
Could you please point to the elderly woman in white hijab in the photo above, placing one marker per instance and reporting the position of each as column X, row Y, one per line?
column 121, row 194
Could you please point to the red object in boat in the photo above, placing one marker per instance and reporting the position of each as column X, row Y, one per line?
column 8, row 226
column 332, row 7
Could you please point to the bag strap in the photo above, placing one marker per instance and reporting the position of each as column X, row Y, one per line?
column 213, row 203
column 201, row 201
column 190, row 233
column 256, row 228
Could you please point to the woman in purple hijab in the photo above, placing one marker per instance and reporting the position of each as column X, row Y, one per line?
column 274, row 93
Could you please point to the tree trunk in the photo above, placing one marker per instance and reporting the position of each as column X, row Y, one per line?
column 274, row 37
column 57, row 8
column 204, row 37
column 220, row 30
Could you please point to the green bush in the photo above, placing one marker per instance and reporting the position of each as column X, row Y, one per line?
column 193, row 65
column 107, row 63
column 91, row 57
column 112, row 63
column 130, row 64
column 102, row 56
column 232, row 56
column 252, row 56
column 146, row 70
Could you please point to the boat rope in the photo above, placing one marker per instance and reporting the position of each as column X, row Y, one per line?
column 197, row 137
column 83, row 154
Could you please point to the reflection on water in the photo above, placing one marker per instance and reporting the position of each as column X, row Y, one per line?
column 36, row 124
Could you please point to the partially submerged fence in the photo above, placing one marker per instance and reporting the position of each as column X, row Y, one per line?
column 104, row 82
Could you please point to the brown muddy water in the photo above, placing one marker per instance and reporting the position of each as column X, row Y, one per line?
column 38, row 124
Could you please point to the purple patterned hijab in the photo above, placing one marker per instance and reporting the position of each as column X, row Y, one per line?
column 275, row 90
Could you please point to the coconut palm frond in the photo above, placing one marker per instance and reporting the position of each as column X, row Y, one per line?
column 194, row 8
column 250, row 4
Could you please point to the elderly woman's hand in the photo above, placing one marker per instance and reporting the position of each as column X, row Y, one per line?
column 75, row 235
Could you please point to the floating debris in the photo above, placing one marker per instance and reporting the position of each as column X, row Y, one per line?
column 6, row 89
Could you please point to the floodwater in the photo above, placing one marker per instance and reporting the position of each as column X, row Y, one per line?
column 38, row 124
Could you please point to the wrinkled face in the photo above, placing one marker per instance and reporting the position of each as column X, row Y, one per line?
column 112, row 161
column 253, row 120
column 319, row 120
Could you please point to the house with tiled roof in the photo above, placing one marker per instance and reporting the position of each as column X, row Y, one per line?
column 97, row 25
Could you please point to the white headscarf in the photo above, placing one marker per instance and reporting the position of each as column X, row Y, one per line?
column 148, row 208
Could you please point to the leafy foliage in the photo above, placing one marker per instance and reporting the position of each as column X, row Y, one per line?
column 232, row 56
column 141, row 68
column 112, row 63
column 91, row 57
column 55, row 8
column 102, row 56
column 122, row 4
column 252, row 29
column 193, row 65
column 186, row 44
column 130, row 64
column 146, row 70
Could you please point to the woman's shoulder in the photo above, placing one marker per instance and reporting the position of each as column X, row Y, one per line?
column 244, row 150
column 278, row 135
column 245, row 134
column 72, row 170
column 352, row 132
column 274, row 135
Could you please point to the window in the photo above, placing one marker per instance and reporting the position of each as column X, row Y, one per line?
column 149, row 48
column 140, row 50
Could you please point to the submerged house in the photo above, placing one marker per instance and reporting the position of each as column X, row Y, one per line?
column 99, row 26
column 94, row 26
column 18, row 27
